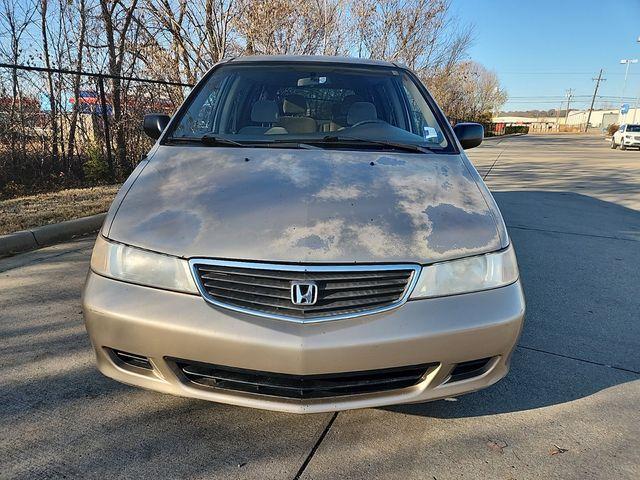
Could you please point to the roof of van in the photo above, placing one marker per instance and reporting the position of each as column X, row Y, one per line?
column 312, row 59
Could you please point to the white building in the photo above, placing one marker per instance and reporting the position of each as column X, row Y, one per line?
column 575, row 121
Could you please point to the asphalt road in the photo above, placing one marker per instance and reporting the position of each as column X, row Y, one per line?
column 570, row 407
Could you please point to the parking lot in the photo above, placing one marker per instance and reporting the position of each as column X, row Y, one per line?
column 568, row 409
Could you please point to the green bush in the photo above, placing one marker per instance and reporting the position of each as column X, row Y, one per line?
column 516, row 129
column 95, row 168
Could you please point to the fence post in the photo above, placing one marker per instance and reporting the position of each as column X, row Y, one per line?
column 105, row 120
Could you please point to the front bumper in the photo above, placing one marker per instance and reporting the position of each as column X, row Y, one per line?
column 162, row 325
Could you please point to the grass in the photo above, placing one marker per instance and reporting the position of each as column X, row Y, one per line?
column 22, row 213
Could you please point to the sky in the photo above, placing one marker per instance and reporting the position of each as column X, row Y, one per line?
column 541, row 48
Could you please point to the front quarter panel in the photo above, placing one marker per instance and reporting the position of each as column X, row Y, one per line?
column 122, row 193
column 488, row 198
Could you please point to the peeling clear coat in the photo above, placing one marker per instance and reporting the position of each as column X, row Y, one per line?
column 326, row 206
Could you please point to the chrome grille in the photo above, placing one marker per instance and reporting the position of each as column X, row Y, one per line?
column 265, row 289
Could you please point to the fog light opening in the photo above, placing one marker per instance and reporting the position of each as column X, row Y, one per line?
column 132, row 359
column 471, row 369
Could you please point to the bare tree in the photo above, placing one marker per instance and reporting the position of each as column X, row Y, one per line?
column 15, row 19
column 419, row 33
column 171, row 18
column 470, row 92
column 53, row 110
column 77, row 62
column 117, row 18
column 285, row 27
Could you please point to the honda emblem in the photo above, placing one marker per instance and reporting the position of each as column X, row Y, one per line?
column 304, row 293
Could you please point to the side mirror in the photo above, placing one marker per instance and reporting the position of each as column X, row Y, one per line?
column 154, row 124
column 470, row 135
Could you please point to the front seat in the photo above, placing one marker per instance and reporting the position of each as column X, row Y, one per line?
column 361, row 112
column 295, row 119
column 264, row 112
column 339, row 117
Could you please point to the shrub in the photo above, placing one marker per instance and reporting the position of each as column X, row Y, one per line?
column 516, row 129
column 612, row 129
column 95, row 168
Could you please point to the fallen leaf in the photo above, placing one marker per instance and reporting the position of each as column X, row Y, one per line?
column 496, row 445
column 556, row 450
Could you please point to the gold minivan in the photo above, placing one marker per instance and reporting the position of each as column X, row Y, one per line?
column 306, row 235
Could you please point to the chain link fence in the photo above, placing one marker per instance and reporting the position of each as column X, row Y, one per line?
column 63, row 128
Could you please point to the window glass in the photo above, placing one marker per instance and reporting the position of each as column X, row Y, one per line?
column 199, row 118
column 258, row 102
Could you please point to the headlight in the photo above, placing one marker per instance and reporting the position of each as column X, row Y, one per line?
column 472, row 274
column 134, row 265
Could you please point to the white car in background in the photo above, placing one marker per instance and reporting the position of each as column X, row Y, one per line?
column 626, row 136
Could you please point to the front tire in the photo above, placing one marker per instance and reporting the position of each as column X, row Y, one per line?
column 622, row 146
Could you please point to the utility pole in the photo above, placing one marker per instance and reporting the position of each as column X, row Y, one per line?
column 635, row 110
column 593, row 99
column 627, row 61
column 569, row 95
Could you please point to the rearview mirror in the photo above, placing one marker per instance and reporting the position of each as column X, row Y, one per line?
column 470, row 135
column 310, row 81
column 154, row 124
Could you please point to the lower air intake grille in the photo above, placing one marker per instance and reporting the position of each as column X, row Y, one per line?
column 132, row 359
column 302, row 386
column 466, row 370
column 340, row 291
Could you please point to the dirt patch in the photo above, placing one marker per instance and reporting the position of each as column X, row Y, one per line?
column 22, row 213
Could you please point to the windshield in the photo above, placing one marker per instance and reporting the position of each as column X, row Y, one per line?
column 311, row 103
column 633, row 128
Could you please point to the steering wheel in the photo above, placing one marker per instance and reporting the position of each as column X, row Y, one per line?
column 365, row 122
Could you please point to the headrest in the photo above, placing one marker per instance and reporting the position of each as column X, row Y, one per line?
column 361, row 112
column 347, row 102
column 264, row 111
column 294, row 104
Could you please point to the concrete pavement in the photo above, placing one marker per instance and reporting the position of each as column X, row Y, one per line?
column 568, row 409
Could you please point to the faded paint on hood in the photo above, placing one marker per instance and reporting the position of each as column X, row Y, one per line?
column 284, row 205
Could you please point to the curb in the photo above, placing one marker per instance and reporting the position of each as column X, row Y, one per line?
column 496, row 137
column 48, row 234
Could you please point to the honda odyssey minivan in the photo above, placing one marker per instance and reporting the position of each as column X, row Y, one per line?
column 306, row 235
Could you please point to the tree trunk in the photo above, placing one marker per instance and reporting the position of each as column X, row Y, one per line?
column 52, row 98
column 76, row 81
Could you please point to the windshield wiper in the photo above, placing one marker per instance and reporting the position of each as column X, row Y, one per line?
column 409, row 147
column 207, row 139
column 214, row 141
column 284, row 143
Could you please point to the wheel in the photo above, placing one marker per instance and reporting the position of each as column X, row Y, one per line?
column 613, row 143
column 622, row 146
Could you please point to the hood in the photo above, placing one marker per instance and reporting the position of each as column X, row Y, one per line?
column 284, row 205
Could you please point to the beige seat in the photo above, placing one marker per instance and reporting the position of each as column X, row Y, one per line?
column 360, row 112
column 264, row 112
column 295, row 119
column 339, row 117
